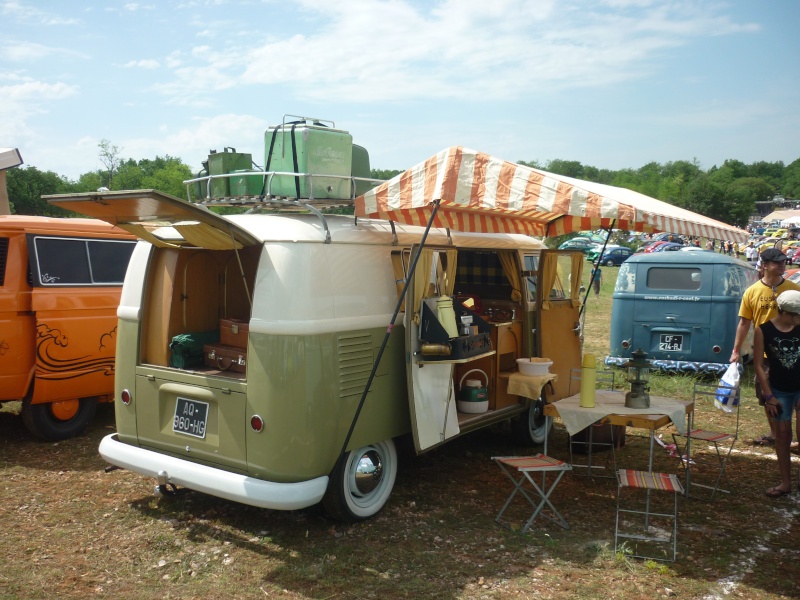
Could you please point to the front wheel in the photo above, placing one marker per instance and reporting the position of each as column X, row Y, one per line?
column 361, row 482
column 55, row 421
column 609, row 263
column 531, row 426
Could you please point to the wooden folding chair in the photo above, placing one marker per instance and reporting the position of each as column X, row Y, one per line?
column 726, row 400
column 657, row 527
column 526, row 466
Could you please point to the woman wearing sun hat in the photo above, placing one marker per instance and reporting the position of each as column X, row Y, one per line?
column 779, row 338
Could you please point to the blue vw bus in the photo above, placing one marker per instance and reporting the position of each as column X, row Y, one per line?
column 681, row 308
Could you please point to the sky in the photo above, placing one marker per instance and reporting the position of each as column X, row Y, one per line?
column 612, row 84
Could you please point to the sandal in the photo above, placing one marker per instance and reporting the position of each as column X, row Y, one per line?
column 774, row 492
column 764, row 440
column 794, row 447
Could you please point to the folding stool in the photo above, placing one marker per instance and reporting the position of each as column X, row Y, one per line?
column 586, row 438
column 649, row 532
column 527, row 465
column 723, row 442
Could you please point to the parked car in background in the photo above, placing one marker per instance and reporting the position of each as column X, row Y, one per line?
column 614, row 257
column 669, row 247
column 597, row 239
column 654, row 246
column 668, row 237
column 60, row 286
column 584, row 244
column 681, row 308
column 593, row 254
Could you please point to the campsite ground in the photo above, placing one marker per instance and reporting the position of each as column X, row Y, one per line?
column 72, row 530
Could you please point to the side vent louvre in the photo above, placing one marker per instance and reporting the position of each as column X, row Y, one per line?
column 355, row 364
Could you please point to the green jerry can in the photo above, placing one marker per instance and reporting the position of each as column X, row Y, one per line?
column 312, row 150
column 246, row 185
column 361, row 169
column 221, row 163
column 200, row 188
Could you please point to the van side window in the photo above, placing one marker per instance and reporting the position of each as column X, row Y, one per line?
column 479, row 272
column 730, row 284
column 659, row 278
column 626, row 279
column 3, row 260
column 530, row 273
column 58, row 261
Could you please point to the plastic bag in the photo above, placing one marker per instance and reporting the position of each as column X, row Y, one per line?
column 726, row 397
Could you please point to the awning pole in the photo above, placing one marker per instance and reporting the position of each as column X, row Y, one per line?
column 400, row 300
column 591, row 279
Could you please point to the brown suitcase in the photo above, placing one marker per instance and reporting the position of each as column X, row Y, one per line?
column 225, row 358
column 233, row 332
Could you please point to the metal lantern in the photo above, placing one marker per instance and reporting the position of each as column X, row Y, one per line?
column 638, row 377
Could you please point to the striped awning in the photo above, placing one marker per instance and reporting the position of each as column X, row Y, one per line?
column 481, row 193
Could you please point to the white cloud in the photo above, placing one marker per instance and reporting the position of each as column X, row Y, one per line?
column 142, row 64
column 193, row 143
column 372, row 50
column 15, row 11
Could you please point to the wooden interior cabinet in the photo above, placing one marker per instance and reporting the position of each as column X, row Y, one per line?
column 507, row 345
column 507, row 339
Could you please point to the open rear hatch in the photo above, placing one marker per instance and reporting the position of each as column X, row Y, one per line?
column 158, row 218
column 193, row 413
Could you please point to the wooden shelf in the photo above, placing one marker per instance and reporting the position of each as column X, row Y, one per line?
column 459, row 361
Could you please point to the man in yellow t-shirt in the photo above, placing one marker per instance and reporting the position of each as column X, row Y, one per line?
column 758, row 306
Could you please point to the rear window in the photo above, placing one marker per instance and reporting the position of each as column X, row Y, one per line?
column 687, row 279
column 59, row 261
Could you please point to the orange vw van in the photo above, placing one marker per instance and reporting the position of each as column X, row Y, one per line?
column 60, row 284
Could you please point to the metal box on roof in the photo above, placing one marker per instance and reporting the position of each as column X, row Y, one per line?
column 313, row 152
column 221, row 163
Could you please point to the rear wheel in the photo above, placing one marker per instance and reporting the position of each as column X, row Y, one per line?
column 531, row 426
column 54, row 421
column 361, row 482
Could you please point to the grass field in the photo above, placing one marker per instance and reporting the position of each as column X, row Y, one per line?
column 72, row 530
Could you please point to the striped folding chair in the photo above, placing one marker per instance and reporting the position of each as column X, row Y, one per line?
column 726, row 400
column 647, row 527
column 526, row 467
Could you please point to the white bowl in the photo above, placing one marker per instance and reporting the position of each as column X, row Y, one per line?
column 534, row 366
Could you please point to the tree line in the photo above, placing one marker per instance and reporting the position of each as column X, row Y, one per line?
column 727, row 193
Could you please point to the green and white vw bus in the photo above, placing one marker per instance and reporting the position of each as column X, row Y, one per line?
column 313, row 296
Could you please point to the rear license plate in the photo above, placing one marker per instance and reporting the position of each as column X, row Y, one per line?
column 190, row 417
column 670, row 343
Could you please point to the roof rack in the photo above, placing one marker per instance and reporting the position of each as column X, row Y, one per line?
column 267, row 199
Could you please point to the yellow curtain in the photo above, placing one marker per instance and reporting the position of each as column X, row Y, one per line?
column 447, row 281
column 512, row 273
column 549, row 275
column 422, row 277
column 575, row 283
